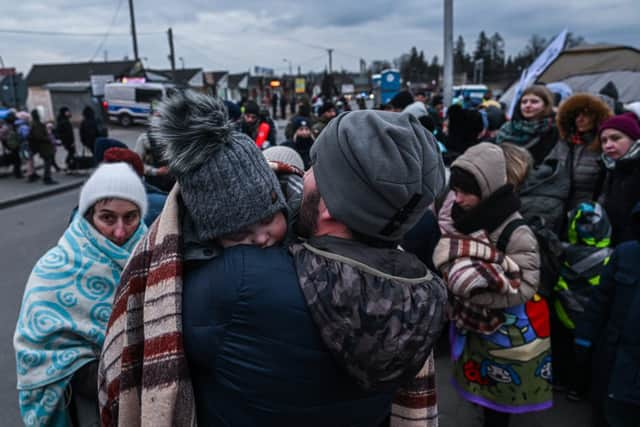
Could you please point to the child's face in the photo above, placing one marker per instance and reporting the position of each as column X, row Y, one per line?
column 265, row 233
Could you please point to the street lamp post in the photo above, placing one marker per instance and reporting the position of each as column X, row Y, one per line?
column 447, row 92
column 290, row 67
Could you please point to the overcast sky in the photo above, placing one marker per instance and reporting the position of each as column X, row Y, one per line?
column 235, row 35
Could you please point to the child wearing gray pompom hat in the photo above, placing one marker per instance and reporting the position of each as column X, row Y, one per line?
column 231, row 194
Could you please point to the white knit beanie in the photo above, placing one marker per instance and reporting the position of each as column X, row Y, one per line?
column 113, row 181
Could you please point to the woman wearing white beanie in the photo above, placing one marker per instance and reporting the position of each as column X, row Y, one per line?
column 68, row 298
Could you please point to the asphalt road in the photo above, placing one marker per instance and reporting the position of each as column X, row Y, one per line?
column 29, row 230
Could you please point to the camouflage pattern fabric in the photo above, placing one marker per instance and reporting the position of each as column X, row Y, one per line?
column 379, row 312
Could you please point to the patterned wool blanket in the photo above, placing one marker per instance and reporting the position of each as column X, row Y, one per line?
column 143, row 374
column 63, row 317
column 416, row 403
column 470, row 265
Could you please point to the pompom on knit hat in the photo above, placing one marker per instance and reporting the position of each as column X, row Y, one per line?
column 225, row 181
column 377, row 171
column 117, row 154
column 626, row 123
column 113, row 181
column 299, row 122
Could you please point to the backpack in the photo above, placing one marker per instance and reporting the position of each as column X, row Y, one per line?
column 549, row 248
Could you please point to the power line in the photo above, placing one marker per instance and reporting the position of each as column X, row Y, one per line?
column 70, row 34
column 347, row 54
column 106, row 35
column 312, row 46
column 204, row 46
column 315, row 58
column 205, row 52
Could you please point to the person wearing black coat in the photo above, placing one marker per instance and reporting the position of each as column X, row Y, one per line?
column 302, row 140
column 88, row 129
column 620, row 140
column 40, row 144
column 232, row 302
column 610, row 329
column 64, row 132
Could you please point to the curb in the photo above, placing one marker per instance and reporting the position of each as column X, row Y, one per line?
column 60, row 188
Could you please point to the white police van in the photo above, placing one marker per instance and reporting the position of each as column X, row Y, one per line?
column 130, row 102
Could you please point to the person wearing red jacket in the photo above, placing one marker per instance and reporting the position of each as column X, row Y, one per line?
column 257, row 126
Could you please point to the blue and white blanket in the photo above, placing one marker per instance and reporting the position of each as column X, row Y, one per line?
column 63, row 318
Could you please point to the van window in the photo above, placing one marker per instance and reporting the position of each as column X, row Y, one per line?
column 118, row 92
column 148, row 95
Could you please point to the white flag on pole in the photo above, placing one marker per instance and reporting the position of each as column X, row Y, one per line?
column 542, row 62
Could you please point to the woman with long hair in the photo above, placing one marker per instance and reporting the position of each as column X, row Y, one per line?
column 532, row 125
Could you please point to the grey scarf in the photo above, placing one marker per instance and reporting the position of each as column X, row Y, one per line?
column 633, row 153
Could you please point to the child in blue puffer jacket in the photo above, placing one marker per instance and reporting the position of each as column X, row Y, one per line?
column 610, row 329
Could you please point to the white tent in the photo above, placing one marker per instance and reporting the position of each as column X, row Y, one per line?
column 589, row 68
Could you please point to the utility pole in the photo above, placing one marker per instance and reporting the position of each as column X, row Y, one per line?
column 106, row 55
column 330, row 60
column 172, row 55
column 447, row 93
column 133, row 30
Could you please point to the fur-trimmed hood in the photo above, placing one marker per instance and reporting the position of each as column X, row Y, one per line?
column 569, row 110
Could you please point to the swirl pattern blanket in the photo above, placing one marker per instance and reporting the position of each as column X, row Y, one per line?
column 64, row 313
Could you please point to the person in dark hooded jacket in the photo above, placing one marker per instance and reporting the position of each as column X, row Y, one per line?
column 257, row 125
column 464, row 127
column 39, row 143
column 88, row 129
column 610, row 330
column 302, row 140
column 619, row 137
column 304, row 113
column 64, row 132
column 578, row 150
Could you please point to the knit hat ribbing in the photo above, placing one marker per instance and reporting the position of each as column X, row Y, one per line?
column 284, row 154
column 625, row 123
column 225, row 182
column 113, row 181
column 377, row 171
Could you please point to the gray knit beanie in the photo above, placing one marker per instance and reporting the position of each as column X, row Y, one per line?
column 377, row 171
column 225, row 181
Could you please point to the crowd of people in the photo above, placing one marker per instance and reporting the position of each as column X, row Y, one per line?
column 23, row 136
column 221, row 275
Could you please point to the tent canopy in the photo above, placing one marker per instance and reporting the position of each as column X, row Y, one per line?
column 589, row 68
